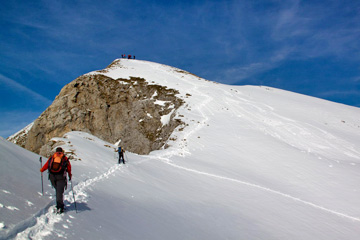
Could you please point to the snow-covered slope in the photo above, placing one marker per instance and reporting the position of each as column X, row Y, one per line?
column 252, row 163
column 19, row 198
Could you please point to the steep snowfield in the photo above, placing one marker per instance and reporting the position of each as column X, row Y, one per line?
column 252, row 163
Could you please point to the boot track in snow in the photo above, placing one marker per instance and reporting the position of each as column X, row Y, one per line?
column 42, row 223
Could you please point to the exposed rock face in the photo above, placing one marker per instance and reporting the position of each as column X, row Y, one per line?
column 132, row 111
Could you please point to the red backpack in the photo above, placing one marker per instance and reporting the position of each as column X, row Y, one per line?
column 57, row 163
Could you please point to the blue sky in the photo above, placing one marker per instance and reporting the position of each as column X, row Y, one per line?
column 310, row 47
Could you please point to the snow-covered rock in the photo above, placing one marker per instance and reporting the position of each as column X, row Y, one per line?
column 111, row 108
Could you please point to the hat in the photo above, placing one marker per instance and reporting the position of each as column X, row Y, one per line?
column 59, row 149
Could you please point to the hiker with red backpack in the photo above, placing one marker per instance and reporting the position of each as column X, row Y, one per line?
column 58, row 165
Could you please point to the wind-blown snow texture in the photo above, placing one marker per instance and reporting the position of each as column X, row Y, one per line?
column 253, row 163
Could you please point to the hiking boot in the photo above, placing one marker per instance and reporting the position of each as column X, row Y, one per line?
column 60, row 210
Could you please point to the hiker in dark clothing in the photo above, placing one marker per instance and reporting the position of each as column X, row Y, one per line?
column 58, row 164
column 121, row 155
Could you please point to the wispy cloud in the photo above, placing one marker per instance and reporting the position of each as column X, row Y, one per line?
column 13, row 121
column 230, row 42
column 295, row 31
column 333, row 93
column 17, row 87
column 239, row 73
column 351, row 95
column 318, row 29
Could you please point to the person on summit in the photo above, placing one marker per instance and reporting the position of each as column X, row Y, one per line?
column 58, row 165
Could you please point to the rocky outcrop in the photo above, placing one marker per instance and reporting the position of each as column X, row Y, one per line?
column 140, row 114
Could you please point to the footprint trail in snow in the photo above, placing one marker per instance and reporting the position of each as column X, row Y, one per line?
column 45, row 223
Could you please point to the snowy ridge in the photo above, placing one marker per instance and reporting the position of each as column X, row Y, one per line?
column 291, row 128
column 251, row 163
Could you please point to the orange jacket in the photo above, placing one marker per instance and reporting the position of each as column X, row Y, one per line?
column 46, row 165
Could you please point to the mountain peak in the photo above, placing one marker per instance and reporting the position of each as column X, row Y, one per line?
column 128, row 102
column 249, row 161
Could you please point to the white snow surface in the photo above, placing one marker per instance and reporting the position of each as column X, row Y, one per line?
column 252, row 163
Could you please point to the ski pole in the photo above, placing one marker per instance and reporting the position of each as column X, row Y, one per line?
column 73, row 196
column 42, row 182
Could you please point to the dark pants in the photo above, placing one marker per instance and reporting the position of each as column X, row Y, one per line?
column 121, row 157
column 59, row 183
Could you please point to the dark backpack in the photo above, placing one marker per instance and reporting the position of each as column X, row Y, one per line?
column 57, row 163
